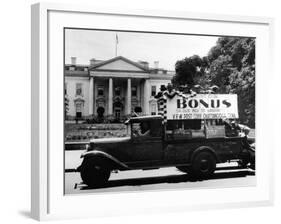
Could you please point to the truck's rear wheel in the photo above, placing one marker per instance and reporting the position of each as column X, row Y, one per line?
column 203, row 165
column 94, row 174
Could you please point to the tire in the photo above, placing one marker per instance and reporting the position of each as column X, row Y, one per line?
column 94, row 174
column 203, row 165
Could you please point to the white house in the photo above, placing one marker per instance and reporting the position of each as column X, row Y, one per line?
column 117, row 87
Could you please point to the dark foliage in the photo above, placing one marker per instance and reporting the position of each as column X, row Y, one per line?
column 230, row 65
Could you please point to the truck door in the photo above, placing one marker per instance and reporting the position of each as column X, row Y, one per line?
column 147, row 145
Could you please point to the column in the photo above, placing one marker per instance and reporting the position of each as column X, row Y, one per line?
column 129, row 99
column 146, row 96
column 110, row 97
column 91, row 96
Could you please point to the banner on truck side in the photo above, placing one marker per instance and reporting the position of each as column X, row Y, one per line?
column 203, row 106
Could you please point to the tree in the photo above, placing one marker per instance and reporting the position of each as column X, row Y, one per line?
column 232, row 68
column 186, row 71
column 230, row 65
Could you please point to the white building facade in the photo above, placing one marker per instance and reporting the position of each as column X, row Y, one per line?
column 116, row 87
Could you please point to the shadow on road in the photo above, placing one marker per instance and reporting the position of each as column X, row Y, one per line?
column 171, row 179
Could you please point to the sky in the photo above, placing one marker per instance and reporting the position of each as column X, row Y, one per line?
column 150, row 47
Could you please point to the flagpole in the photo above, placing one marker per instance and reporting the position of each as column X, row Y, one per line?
column 116, row 43
column 115, row 49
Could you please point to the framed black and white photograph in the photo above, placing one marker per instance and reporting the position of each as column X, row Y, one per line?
column 113, row 111
column 143, row 111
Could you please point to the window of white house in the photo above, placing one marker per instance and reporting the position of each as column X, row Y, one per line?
column 153, row 90
column 79, row 89
column 134, row 91
column 153, row 109
column 100, row 91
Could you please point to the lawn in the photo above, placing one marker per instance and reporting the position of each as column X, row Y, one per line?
column 84, row 132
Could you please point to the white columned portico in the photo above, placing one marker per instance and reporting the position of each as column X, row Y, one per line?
column 110, row 96
column 129, row 98
column 91, row 96
column 146, row 96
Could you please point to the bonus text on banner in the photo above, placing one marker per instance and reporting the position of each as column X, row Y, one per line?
column 203, row 106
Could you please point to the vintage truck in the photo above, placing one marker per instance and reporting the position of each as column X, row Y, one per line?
column 194, row 146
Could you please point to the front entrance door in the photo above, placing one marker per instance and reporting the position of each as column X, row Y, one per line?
column 78, row 114
column 117, row 108
column 117, row 113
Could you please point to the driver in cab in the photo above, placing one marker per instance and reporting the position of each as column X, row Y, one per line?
column 143, row 131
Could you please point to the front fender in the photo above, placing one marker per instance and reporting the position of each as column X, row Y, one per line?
column 204, row 149
column 103, row 157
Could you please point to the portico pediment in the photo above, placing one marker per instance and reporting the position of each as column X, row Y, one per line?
column 118, row 64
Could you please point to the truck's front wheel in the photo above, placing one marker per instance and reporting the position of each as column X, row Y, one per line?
column 203, row 165
column 94, row 174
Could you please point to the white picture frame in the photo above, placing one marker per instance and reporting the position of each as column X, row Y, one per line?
column 48, row 200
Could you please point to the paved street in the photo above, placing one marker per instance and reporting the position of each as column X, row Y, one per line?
column 227, row 175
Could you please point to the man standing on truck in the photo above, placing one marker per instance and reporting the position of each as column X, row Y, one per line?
column 234, row 129
column 242, row 130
